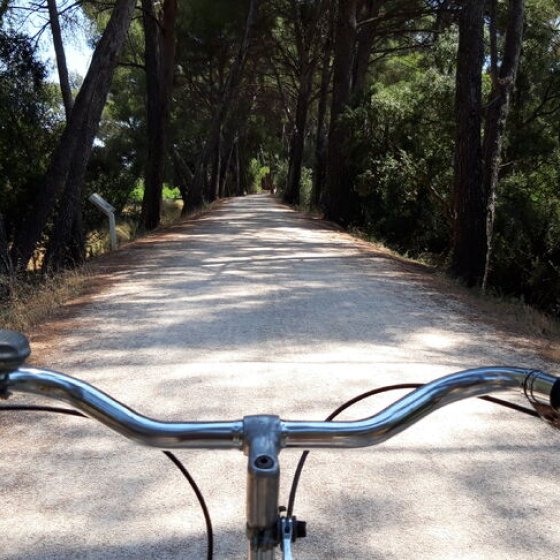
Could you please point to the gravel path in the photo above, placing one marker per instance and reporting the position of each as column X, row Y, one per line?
column 254, row 308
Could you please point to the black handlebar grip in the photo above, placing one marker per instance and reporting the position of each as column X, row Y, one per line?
column 14, row 350
column 555, row 395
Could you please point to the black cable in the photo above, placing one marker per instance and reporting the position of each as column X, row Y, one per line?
column 201, row 501
column 373, row 392
column 301, row 462
column 329, row 418
column 32, row 408
column 512, row 406
column 173, row 458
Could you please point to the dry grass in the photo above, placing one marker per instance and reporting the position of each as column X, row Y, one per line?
column 542, row 329
column 38, row 298
column 533, row 328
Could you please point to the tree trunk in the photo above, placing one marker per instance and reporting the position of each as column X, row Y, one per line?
column 365, row 39
column 153, row 174
column 84, row 119
column 496, row 116
column 292, row 194
column 224, row 185
column 196, row 192
column 469, row 235
column 238, row 186
column 159, row 58
column 320, row 171
column 66, row 247
column 6, row 269
column 183, row 176
column 60, row 58
column 341, row 201
column 214, row 185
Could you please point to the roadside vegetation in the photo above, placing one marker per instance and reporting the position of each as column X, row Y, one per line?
column 428, row 125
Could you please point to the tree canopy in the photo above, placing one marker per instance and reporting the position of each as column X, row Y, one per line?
column 431, row 125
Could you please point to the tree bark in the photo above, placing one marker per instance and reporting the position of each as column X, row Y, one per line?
column 183, row 176
column 365, row 39
column 469, row 203
column 214, row 185
column 320, row 171
column 341, row 201
column 496, row 116
column 292, row 192
column 60, row 58
column 84, row 120
column 6, row 269
column 66, row 247
column 305, row 24
column 159, row 57
column 226, row 167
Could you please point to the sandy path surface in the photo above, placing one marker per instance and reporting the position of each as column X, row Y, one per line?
column 252, row 308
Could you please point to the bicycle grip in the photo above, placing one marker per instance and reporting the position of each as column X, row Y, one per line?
column 14, row 350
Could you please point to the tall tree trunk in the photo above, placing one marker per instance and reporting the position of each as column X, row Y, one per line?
column 224, row 185
column 60, row 58
column 153, row 174
column 292, row 192
column 320, row 171
column 365, row 39
column 66, row 247
column 66, row 244
column 469, row 234
column 341, row 201
column 214, row 185
column 503, row 83
column 6, row 269
column 183, row 176
column 238, row 186
column 84, row 119
column 159, row 58
column 305, row 23
column 219, row 120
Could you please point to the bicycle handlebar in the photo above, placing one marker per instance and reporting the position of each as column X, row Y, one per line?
column 261, row 437
column 542, row 390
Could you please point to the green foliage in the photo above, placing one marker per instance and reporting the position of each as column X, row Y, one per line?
column 527, row 244
column 403, row 150
column 28, row 125
column 257, row 172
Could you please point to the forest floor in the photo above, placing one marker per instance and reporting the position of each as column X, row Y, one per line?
column 254, row 308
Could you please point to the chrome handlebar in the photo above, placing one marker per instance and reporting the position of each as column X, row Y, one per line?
column 262, row 437
column 542, row 390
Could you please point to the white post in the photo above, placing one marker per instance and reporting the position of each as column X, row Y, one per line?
column 109, row 211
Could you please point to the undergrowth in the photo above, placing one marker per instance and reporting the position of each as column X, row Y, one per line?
column 36, row 297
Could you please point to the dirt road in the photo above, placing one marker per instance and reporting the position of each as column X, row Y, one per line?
column 254, row 308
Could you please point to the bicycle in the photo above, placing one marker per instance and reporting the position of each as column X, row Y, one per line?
column 261, row 437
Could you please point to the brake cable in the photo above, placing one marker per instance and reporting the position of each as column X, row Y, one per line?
column 171, row 456
column 373, row 392
column 301, row 463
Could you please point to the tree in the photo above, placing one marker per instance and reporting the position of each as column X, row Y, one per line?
column 60, row 57
column 503, row 82
column 75, row 145
column 306, row 23
column 226, row 103
column 6, row 269
column 340, row 199
column 28, row 127
column 469, row 228
column 159, row 32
